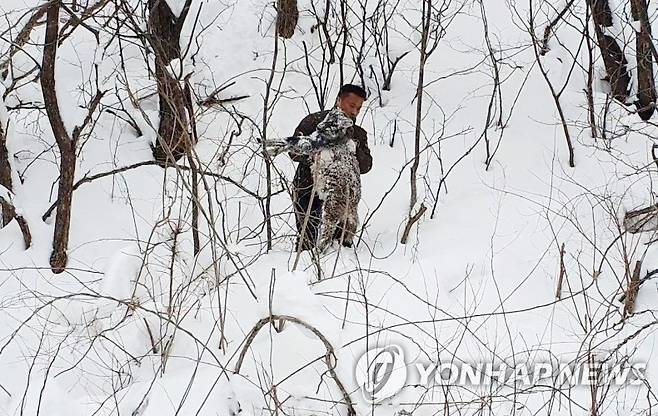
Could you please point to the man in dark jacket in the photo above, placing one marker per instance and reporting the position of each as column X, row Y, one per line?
column 350, row 99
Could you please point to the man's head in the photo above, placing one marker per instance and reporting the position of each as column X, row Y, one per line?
column 350, row 99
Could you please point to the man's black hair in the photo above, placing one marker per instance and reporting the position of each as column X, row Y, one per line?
column 352, row 89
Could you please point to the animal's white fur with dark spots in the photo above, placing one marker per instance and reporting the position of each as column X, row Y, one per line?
column 335, row 171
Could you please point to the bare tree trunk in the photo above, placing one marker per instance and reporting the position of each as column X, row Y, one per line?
column 646, row 94
column 194, row 169
column 413, row 197
column 613, row 56
column 174, row 139
column 344, row 31
column 590, row 78
column 286, row 17
column 359, row 52
column 267, row 107
column 5, row 171
column 9, row 209
column 66, row 145
column 427, row 10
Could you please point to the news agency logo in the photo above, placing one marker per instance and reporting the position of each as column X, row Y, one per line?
column 381, row 372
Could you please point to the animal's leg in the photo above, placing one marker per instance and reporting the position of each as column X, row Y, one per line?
column 351, row 224
column 350, row 216
column 330, row 221
column 344, row 233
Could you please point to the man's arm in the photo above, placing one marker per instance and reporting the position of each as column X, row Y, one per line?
column 362, row 150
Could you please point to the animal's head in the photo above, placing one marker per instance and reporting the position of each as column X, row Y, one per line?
column 336, row 123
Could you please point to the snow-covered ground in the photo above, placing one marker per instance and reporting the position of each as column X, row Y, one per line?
column 131, row 329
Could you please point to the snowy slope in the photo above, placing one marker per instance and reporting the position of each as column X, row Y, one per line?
column 129, row 330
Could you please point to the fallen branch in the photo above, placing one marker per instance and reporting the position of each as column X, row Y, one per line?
column 88, row 178
column 643, row 219
column 331, row 366
column 210, row 101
